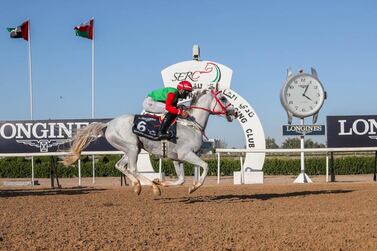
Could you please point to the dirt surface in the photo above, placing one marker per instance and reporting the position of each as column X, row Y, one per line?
column 277, row 215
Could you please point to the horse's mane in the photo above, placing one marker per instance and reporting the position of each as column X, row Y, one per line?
column 196, row 95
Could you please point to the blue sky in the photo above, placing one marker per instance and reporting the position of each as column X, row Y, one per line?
column 135, row 40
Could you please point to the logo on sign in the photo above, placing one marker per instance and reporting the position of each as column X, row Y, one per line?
column 44, row 144
column 358, row 127
column 303, row 130
column 211, row 70
column 352, row 131
column 194, row 76
column 42, row 135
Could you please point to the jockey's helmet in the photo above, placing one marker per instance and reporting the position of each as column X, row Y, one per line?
column 184, row 85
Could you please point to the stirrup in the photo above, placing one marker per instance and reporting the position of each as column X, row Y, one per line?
column 164, row 148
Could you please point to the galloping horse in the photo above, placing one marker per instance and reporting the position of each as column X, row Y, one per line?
column 188, row 141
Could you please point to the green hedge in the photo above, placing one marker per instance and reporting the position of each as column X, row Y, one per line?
column 21, row 167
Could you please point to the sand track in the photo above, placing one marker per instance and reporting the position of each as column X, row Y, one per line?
column 249, row 217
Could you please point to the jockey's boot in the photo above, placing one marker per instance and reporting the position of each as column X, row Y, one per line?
column 163, row 131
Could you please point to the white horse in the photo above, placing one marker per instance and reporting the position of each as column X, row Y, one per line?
column 189, row 139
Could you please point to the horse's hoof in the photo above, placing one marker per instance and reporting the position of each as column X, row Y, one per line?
column 159, row 183
column 156, row 182
column 137, row 187
column 193, row 189
column 156, row 190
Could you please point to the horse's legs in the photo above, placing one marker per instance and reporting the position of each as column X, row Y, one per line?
column 135, row 177
column 195, row 160
column 135, row 182
column 156, row 190
column 180, row 174
column 120, row 165
column 132, row 167
column 118, row 143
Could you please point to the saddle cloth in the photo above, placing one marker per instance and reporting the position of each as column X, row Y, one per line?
column 147, row 126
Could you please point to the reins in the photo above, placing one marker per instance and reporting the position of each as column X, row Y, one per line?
column 197, row 126
column 218, row 102
column 212, row 112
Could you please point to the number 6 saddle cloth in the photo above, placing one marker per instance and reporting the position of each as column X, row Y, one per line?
column 147, row 126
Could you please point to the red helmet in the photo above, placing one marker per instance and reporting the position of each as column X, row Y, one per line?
column 184, row 85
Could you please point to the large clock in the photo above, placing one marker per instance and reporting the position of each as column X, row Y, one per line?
column 302, row 95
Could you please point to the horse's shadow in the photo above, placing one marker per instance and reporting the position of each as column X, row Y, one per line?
column 48, row 191
column 248, row 197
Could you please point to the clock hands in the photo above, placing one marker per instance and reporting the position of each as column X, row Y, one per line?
column 306, row 97
column 306, row 89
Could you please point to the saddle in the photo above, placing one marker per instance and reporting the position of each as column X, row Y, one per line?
column 147, row 126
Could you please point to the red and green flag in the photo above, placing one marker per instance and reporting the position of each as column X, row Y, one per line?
column 21, row 31
column 85, row 30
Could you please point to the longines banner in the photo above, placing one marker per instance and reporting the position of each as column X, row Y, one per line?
column 352, row 131
column 45, row 135
column 289, row 130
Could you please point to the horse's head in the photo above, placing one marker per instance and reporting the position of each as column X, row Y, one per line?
column 215, row 103
column 221, row 106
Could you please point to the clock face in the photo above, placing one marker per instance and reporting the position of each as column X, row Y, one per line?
column 303, row 95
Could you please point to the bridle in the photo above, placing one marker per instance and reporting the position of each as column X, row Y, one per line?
column 213, row 112
column 218, row 102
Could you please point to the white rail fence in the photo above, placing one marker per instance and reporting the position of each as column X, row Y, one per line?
column 218, row 151
column 66, row 153
column 308, row 150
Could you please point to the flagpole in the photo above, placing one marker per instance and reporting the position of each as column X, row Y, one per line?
column 93, row 82
column 30, row 95
column 93, row 94
column 30, row 77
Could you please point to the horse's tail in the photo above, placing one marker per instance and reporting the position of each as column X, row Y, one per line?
column 82, row 139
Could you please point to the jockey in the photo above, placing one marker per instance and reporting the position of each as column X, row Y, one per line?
column 166, row 99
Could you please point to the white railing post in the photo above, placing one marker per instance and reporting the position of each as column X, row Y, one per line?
column 32, row 173
column 218, row 168
column 196, row 173
column 242, row 172
column 327, row 167
column 160, row 168
column 79, row 167
column 93, row 169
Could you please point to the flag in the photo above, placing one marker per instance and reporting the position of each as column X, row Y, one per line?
column 85, row 30
column 21, row 31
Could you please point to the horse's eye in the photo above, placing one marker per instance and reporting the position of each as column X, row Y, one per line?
column 223, row 99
